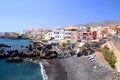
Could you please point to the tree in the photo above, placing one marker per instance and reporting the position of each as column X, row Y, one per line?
column 42, row 36
column 63, row 45
column 7, row 34
column 87, row 43
column 84, row 48
column 117, row 31
column 88, row 28
column 103, row 33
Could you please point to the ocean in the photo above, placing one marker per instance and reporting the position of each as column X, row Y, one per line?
column 26, row 70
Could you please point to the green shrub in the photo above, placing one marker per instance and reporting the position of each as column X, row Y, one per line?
column 63, row 45
column 83, row 48
column 109, row 56
column 38, row 44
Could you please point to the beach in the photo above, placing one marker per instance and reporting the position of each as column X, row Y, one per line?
column 71, row 68
column 74, row 68
column 54, row 70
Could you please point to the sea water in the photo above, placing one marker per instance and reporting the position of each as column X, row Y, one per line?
column 26, row 70
column 16, row 44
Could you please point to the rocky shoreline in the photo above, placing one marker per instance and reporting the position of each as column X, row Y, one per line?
column 64, row 64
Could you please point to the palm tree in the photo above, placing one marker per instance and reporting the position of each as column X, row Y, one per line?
column 42, row 36
column 63, row 45
column 117, row 31
column 88, row 28
column 83, row 49
column 103, row 33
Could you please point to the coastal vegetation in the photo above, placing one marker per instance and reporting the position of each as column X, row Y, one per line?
column 39, row 45
column 33, row 39
column 13, row 35
column 88, row 28
column 117, row 31
column 63, row 45
column 42, row 37
column 83, row 48
column 109, row 56
column 103, row 32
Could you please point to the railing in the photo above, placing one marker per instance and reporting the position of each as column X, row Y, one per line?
column 67, row 38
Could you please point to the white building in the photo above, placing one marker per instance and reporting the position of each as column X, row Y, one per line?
column 49, row 35
column 57, row 34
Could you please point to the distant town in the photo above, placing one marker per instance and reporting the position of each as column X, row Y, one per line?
column 68, row 35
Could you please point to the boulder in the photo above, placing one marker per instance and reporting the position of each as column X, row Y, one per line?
column 2, row 55
column 49, row 46
column 1, row 51
column 14, row 59
column 5, row 55
column 26, row 46
column 22, row 46
column 30, row 48
column 79, row 54
column 39, row 48
column 4, row 45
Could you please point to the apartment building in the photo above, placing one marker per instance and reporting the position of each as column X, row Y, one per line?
column 70, row 34
column 84, row 36
column 34, row 32
column 57, row 34
column 49, row 35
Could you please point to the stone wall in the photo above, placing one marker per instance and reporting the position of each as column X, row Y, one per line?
column 116, row 42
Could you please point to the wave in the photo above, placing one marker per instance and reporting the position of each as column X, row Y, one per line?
column 43, row 72
column 45, row 77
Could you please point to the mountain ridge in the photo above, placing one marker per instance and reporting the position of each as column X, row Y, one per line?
column 102, row 23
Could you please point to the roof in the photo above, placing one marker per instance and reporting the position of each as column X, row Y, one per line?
column 71, row 28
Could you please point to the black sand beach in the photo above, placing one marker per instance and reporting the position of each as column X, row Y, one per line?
column 74, row 68
column 54, row 70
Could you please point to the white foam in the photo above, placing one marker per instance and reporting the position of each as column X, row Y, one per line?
column 45, row 77
column 43, row 72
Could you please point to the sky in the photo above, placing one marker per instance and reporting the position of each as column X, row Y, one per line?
column 20, row 15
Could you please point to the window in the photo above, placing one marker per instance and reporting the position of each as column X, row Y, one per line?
column 57, row 36
column 56, row 32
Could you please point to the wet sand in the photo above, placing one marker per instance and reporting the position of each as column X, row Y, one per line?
column 54, row 70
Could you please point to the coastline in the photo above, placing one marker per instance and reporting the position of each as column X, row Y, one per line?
column 41, row 65
column 74, row 68
column 43, row 72
column 54, row 70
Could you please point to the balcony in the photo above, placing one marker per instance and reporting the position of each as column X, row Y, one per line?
column 67, row 35
column 67, row 32
column 67, row 38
